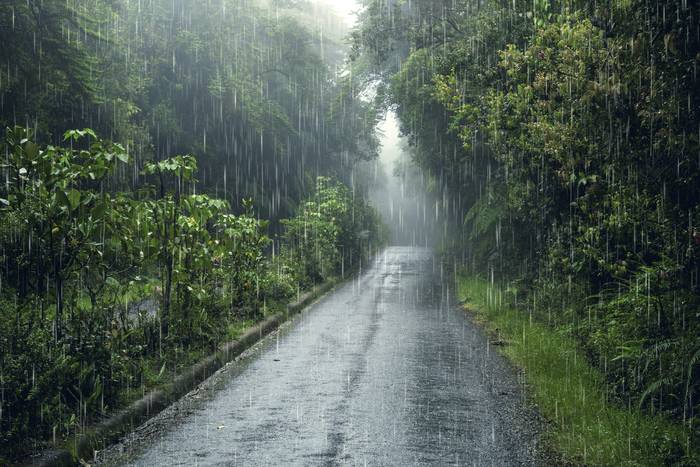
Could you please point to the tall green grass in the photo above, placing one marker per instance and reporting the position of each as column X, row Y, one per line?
column 586, row 426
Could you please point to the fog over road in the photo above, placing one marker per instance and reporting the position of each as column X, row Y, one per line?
column 384, row 370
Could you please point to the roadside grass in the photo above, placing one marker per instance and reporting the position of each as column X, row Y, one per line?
column 585, row 426
column 237, row 328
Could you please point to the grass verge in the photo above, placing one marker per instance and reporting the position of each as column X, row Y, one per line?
column 585, row 426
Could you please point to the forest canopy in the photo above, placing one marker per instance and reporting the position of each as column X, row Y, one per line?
column 247, row 86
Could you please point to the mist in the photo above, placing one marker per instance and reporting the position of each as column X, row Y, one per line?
column 399, row 190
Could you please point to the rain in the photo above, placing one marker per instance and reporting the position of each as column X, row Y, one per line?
column 349, row 232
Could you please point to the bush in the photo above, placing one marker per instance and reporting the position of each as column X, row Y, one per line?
column 333, row 232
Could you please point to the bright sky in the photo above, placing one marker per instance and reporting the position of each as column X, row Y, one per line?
column 345, row 8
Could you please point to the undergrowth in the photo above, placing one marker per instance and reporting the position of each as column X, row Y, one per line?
column 587, row 425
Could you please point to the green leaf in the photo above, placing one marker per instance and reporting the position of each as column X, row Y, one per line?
column 89, row 132
column 4, row 201
column 71, row 134
column 31, row 149
column 62, row 199
column 99, row 210
column 74, row 198
column 122, row 156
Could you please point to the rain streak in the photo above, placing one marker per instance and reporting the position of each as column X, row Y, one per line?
column 349, row 232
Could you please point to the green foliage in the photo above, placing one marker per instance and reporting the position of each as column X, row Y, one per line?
column 333, row 232
column 248, row 86
column 47, row 42
column 585, row 428
column 56, row 196
column 118, row 269
column 60, row 216
column 243, row 268
column 103, row 291
column 565, row 135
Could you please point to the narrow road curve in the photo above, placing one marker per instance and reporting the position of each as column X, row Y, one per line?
column 385, row 370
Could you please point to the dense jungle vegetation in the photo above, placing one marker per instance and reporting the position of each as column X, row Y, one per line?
column 563, row 139
column 171, row 172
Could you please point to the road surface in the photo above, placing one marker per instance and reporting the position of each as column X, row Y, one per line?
column 384, row 370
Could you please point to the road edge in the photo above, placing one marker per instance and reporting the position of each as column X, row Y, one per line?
column 82, row 447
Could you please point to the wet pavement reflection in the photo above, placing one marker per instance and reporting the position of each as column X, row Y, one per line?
column 385, row 370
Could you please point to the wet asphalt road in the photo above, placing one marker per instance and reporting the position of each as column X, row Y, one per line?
column 384, row 370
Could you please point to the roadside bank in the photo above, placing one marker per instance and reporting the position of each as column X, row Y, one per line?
column 586, row 426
